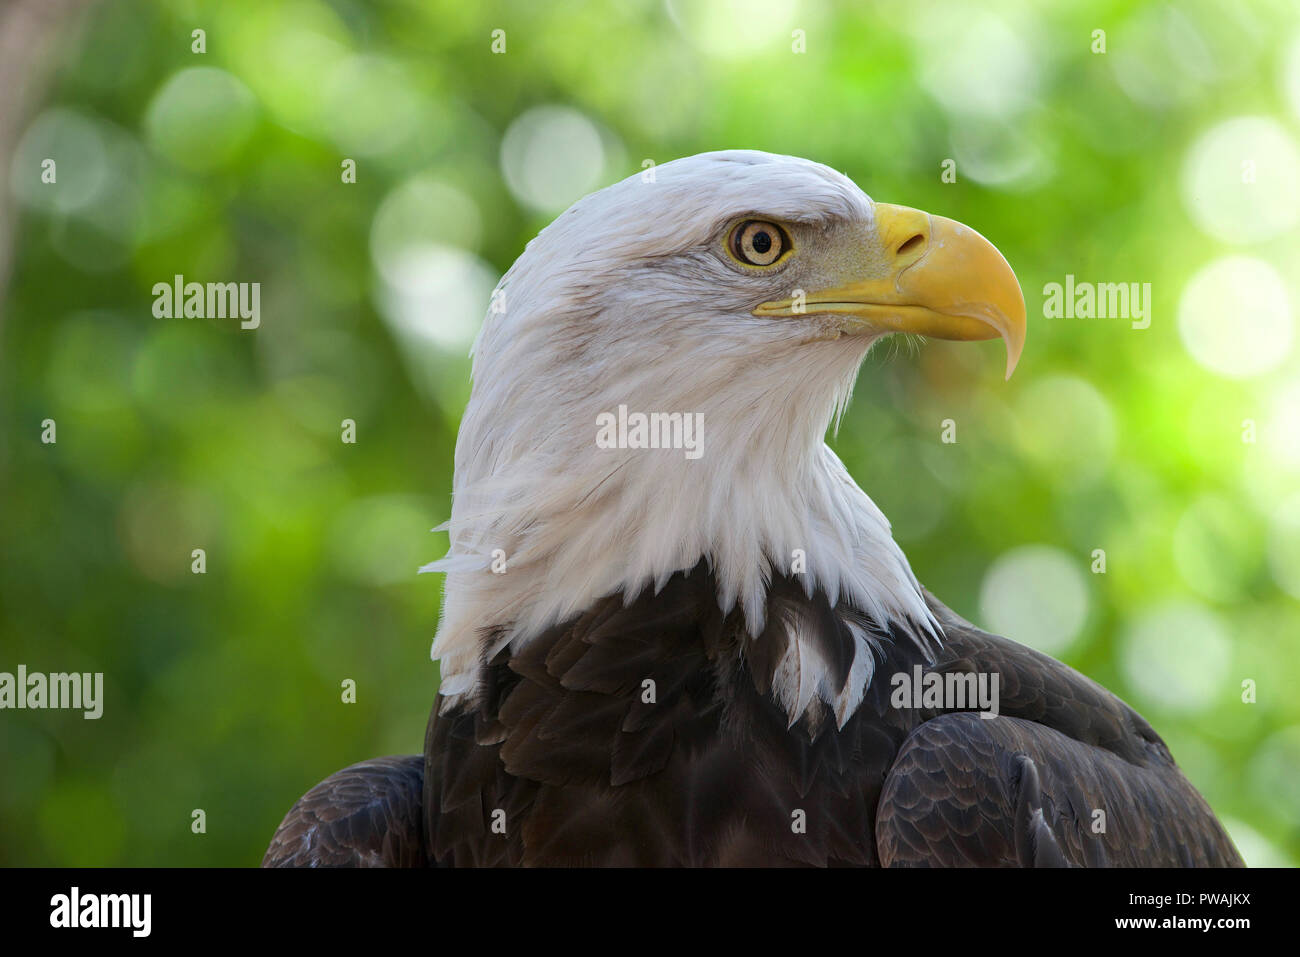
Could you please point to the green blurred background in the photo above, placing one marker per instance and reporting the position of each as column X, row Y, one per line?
column 1171, row 158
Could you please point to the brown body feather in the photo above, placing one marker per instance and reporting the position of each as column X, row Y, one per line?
column 367, row 815
column 565, row 760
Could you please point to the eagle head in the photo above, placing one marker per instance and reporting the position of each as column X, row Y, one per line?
column 728, row 300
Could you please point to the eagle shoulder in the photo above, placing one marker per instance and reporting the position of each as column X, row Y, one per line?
column 368, row 815
column 1066, row 775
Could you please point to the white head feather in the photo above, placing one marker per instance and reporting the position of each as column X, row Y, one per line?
column 625, row 299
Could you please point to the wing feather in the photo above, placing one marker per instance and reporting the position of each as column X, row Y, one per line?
column 367, row 815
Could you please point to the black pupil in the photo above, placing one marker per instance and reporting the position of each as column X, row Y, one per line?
column 761, row 242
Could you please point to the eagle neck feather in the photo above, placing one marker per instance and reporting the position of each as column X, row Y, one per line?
column 573, row 524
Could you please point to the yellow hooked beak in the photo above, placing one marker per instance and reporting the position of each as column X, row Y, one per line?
column 942, row 280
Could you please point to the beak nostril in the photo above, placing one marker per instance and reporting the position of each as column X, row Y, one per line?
column 912, row 245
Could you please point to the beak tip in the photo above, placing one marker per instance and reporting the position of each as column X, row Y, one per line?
column 1014, row 333
column 1014, row 349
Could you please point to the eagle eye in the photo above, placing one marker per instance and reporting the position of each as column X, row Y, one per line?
column 758, row 243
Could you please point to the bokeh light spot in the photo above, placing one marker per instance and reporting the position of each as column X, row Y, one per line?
column 370, row 106
column 1161, row 58
column 1241, row 180
column 552, row 156
column 1066, row 427
column 730, row 28
column 1235, row 317
column 1291, row 75
column 999, row 154
column 287, row 52
column 977, row 64
column 1175, row 655
column 434, row 293
column 423, row 210
column 76, row 145
column 201, row 118
column 1036, row 595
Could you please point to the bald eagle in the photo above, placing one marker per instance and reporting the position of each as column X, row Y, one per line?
column 683, row 645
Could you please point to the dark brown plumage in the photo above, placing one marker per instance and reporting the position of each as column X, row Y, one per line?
column 368, row 815
column 566, row 758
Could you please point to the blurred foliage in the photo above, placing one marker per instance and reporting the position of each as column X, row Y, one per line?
column 223, row 689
